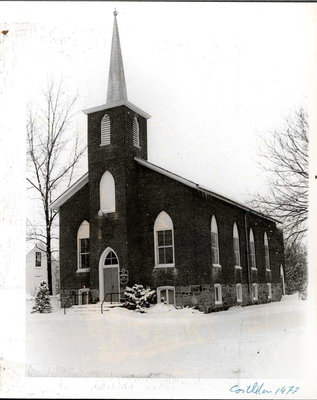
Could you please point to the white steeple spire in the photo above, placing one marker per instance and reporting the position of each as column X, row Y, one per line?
column 116, row 81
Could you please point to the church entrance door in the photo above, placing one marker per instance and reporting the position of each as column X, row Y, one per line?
column 111, row 283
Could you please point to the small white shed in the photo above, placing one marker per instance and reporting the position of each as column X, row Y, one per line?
column 36, row 271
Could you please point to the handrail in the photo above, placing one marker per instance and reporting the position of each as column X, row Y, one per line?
column 111, row 293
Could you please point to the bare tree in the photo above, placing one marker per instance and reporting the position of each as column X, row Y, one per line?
column 296, row 268
column 285, row 158
column 48, row 140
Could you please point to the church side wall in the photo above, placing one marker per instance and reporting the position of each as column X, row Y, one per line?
column 194, row 276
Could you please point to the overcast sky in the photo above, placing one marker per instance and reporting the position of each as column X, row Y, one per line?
column 213, row 76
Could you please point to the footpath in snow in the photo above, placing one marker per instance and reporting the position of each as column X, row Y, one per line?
column 242, row 342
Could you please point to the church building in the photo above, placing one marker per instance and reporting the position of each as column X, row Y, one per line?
column 129, row 221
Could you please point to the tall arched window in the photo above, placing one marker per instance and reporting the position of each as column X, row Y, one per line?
column 252, row 250
column 105, row 130
column 107, row 193
column 236, row 247
column 267, row 252
column 164, row 241
column 83, row 247
column 214, row 242
column 136, row 132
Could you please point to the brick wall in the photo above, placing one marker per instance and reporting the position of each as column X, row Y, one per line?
column 72, row 213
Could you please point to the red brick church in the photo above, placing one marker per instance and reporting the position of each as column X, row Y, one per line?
column 129, row 221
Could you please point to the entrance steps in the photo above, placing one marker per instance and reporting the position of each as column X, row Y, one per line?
column 86, row 309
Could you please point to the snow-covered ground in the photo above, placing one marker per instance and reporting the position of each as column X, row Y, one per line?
column 243, row 342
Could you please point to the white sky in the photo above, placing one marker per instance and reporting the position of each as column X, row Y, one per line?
column 213, row 76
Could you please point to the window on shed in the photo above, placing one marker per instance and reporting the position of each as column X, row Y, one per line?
column 38, row 259
column 136, row 132
column 214, row 241
column 252, row 250
column 236, row 247
column 267, row 252
column 107, row 193
column 105, row 130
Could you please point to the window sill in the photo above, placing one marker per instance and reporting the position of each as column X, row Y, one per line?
column 255, row 299
column 104, row 212
column 254, row 269
column 79, row 270
column 216, row 265
column 104, row 144
column 164, row 266
column 268, row 269
column 239, row 301
column 218, row 303
column 238, row 267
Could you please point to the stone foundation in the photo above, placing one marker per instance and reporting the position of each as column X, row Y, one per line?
column 202, row 297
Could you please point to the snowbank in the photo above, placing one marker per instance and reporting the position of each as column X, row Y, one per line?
column 165, row 342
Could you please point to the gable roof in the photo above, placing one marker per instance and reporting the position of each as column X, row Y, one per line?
column 81, row 182
column 69, row 192
column 200, row 188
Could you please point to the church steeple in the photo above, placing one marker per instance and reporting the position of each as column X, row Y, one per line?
column 117, row 91
column 116, row 81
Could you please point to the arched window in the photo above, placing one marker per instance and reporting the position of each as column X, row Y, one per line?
column 236, row 247
column 111, row 259
column 252, row 250
column 107, row 193
column 83, row 247
column 105, row 130
column 267, row 252
column 214, row 242
column 136, row 132
column 164, row 241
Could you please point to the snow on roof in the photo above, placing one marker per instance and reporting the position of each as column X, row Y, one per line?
column 199, row 188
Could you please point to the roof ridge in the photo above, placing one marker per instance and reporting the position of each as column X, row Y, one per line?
column 202, row 188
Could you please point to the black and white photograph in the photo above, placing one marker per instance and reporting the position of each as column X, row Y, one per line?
column 158, row 192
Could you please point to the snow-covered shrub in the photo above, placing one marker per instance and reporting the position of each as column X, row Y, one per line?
column 138, row 298
column 42, row 299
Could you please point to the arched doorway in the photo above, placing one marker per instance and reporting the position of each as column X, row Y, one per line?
column 282, row 279
column 109, row 281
